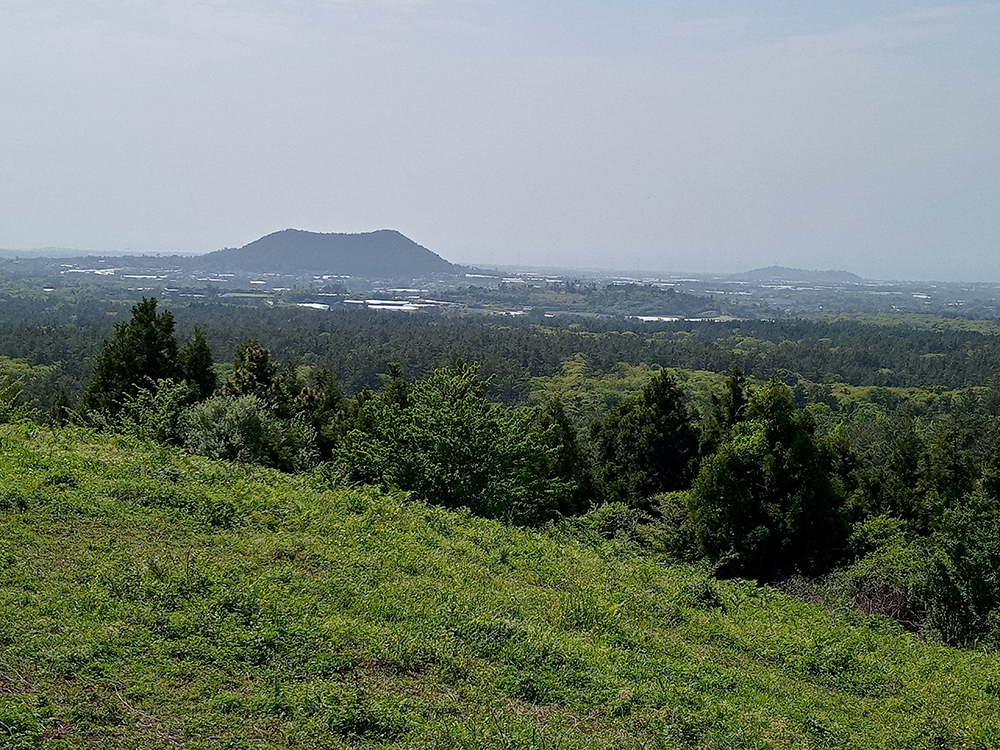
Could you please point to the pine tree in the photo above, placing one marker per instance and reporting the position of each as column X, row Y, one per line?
column 142, row 351
column 254, row 373
column 195, row 361
column 646, row 445
column 765, row 503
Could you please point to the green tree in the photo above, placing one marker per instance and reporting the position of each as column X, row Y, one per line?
column 443, row 440
column 142, row 351
column 570, row 461
column 646, row 445
column 728, row 408
column 254, row 373
column 765, row 503
column 946, row 472
column 321, row 403
column 195, row 360
column 958, row 572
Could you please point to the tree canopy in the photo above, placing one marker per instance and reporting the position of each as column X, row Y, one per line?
column 142, row 351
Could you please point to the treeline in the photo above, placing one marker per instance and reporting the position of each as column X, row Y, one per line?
column 604, row 299
column 893, row 515
column 359, row 345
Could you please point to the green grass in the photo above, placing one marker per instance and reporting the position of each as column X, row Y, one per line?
column 151, row 599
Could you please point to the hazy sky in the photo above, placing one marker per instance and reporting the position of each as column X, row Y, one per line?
column 659, row 135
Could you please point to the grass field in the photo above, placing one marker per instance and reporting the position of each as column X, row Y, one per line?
column 151, row 599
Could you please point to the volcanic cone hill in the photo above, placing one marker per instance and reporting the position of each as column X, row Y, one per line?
column 382, row 254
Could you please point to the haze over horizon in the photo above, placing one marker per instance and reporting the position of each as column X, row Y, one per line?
column 691, row 136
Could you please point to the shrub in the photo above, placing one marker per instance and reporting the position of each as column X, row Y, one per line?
column 880, row 582
column 244, row 429
column 958, row 573
column 154, row 412
column 441, row 439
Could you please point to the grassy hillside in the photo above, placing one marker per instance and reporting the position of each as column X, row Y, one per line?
column 153, row 599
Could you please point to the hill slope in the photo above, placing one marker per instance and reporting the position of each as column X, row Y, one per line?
column 783, row 273
column 152, row 599
column 382, row 254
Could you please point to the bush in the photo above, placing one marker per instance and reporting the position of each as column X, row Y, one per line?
column 154, row 413
column 880, row 582
column 958, row 573
column 244, row 429
column 441, row 439
column 612, row 521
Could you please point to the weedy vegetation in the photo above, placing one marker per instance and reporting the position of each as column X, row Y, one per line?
column 151, row 598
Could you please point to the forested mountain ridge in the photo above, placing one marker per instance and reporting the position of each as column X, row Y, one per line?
column 381, row 254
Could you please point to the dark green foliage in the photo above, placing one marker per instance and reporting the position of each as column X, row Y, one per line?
column 254, row 374
column 314, row 399
column 245, row 429
column 441, row 439
column 946, row 472
column 645, row 445
column 62, row 410
column 728, row 408
column 765, row 502
column 67, row 327
column 142, row 351
column 570, row 460
column 958, row 572
column 320, row 402
column 195, row 359
column 879, row 469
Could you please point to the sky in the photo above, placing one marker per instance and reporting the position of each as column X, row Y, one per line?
column 665, row 136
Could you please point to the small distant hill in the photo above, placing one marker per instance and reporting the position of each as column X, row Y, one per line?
column 382, row 254
column 782, row 273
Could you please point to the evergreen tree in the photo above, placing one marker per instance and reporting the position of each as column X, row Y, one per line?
column 141, row 352
column 321, row 403
column 254, row 373
column 195, row 360
column 646, row 445
column 569, row 460
column 947, row 471
column 765, row 503
column 728, row 408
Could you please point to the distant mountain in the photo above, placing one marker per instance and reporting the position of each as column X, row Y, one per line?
column 385, row 254
column 781, row 273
